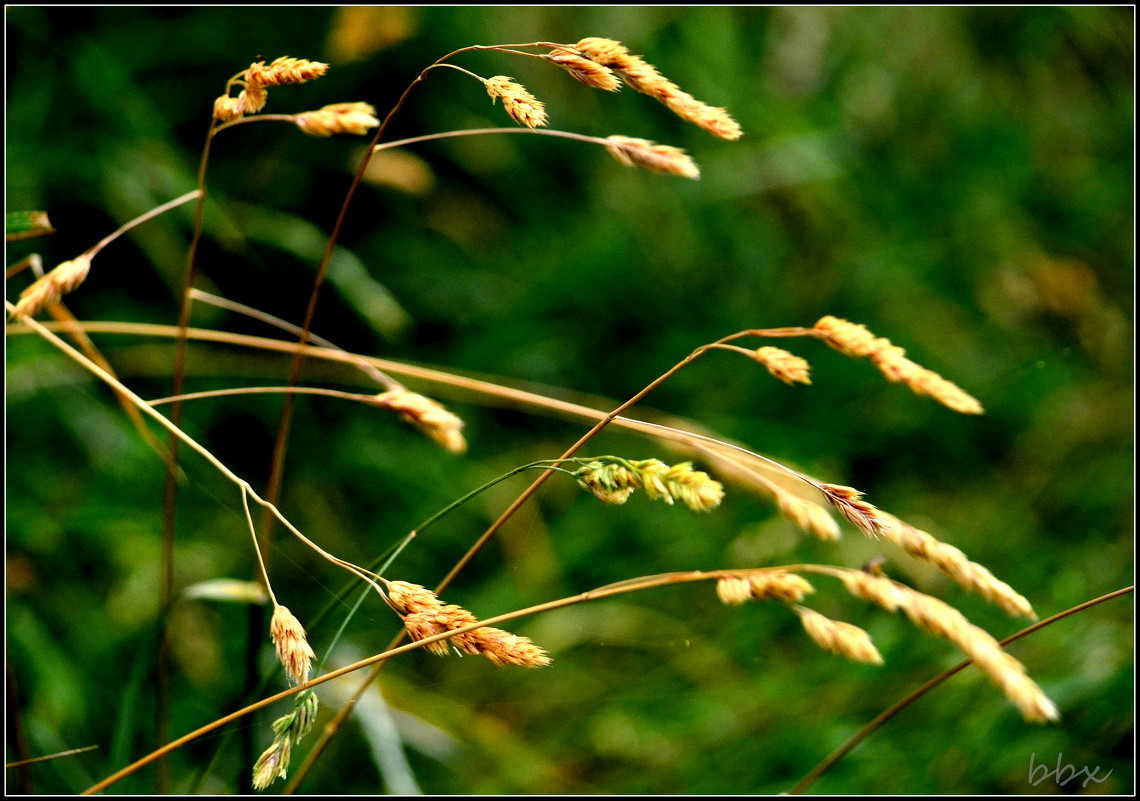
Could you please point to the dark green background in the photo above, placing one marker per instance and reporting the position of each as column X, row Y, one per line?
column 958, row 180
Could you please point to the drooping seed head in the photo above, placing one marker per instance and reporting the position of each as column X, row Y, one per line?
column 652, row 156
column 783, row 365
column 284, row 70
column 523, row 107
column 50, row 287
column 591, row 73
column 351, row 118
column 293, row 650
column 839, row 637
column 427, row 415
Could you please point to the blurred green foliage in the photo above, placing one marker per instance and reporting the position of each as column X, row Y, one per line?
column 959, row 180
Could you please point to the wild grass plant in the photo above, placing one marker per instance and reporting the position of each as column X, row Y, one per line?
column 675, row 462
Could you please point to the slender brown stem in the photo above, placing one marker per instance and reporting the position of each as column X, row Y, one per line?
column 170, row 491
column 49, row 757
column 879, row 720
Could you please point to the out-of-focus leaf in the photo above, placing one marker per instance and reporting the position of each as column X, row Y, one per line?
column 233, row 590
column 26, row 224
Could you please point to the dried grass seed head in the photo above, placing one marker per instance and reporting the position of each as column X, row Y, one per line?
column 768, row 585
column 591, row 73
column 227, row 108
column 284, row 70
column 501, row 647
column 409, row 598
column 855, row 340
column 839, row 637
column 942, row 620
column 785, row 366
column 652, row 156
column 350, row 118
column 293, row 650
column 811, row 517
column 849, row 503
column 50, row 287
column 644, row 77
column 523, row 107
column 427, row 415
column 955, row 564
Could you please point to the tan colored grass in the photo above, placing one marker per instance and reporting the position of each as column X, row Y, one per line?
column 787, row 367
column 523, row 107
column 948, row 559
column 809, row 516
column 652, row 156
column 768, row 585
column 252, row 99
column 52, row 286
column 942, row 620
column 427, row 415
column 351, row 118
column 409, row 598
column 644, row 77
column 426, row 616
column 293, row 650
column 227, row 108
column 284, row 70
column 591, row 73
column 855, row 340
column 839, row 637
column 849, row 503
column 954, row 563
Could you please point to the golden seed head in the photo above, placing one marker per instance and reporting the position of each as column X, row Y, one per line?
column 942, row 620
column 644, row 77
column 606, row 52
column 654, row 157
column 252, row 99
column 409, row 598
column 427, row 415
column 284, row 70
column 839, row 637
column 523, row 107
column 352, row 118
column 783, row 365
column 811, row 517
column 855, row 340
column 50, row 287
column 767, row 585
column 502, row 647
column 227, row 108
column 293, row 650
column 591, row 73
column 848, row 502
column 951, row 561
